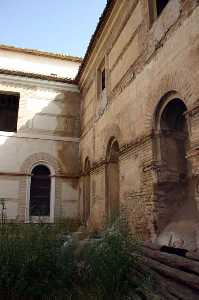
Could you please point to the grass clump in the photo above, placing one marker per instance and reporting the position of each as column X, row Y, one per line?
column 32, row 264
column 35, row 264
column 108, row 270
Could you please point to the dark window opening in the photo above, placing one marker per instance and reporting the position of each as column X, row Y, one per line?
column 160, row 5
column 103, row 79
column 173, row 118
column 9, row 106
column 40, row 191
column 86, row 204
column 112, row 180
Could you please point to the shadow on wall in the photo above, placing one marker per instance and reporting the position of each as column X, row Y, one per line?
column 46, row 118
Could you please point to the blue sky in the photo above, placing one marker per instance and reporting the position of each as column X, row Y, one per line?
column 62, row 26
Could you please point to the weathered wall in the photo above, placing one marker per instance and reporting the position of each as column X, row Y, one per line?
column 47, row 132
column 143, row 62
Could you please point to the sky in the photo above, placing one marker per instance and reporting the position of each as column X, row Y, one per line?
column 63, row 26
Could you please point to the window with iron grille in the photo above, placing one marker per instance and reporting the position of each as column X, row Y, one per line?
column 40, row 191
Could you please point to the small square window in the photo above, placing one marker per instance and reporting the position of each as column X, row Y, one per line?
column 101, row 88
column 103, row 79
column 155, row 8
column 9, row 106
column 160, row 5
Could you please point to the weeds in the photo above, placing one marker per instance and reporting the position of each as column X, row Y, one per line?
column 35, row 265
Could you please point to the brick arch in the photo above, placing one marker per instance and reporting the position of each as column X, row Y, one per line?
column 175, row 83
column 168, row 97
column 87, row 165
column 110, row 148
column 41, row 157
column 86, row 154
column 111, row 131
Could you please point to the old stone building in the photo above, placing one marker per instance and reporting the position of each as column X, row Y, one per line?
column 39, row 134
column 136, row 98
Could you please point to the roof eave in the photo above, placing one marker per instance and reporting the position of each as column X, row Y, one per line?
column 41, row 53
column 99, row 28
column 37, row 76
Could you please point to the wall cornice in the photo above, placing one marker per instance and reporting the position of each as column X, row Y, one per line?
column 53, row 138
column 21, row 174
column 44, row 82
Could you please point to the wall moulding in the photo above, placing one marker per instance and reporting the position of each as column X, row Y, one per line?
column 124, row 20
column 98, row 167
column 31, row 82
column 19, row 174
column 15, row 174
column 130, row 147
column 23, row 135
column 125, row 48
column 123, row 151
column 194, row 109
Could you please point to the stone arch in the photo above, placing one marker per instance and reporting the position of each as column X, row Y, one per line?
column 26, row 168
column 41, row 157
column 40, row 191
column 112, row 203
column 87, row 191
column 175, row 206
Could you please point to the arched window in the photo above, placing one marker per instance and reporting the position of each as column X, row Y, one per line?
column 175, row 206
column 40, row 189
column 86, row 203
column 112, row 180
column 173, row 137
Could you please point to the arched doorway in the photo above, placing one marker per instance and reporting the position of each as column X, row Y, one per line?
column 175, row 208
column 112, row 180
column 86, row 202
column 40, row 192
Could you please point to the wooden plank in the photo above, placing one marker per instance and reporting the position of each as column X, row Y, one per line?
column 177, row 275
column 174, row 261
column 193, row 255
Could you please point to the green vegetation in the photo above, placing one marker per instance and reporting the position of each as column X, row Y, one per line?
column 35, row 264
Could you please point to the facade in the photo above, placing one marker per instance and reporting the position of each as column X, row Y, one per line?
column 120, row 138
column 39, row 135
column 139, row 129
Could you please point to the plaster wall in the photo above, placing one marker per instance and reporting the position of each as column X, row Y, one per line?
column 47, row 132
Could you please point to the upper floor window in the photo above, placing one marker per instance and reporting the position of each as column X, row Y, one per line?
column 156, row 7
column 103, row 79
column 9, row 106
column 101, row 87
column 160, row 5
